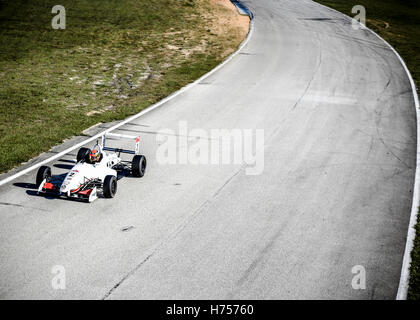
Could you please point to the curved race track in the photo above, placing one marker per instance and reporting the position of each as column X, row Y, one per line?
column 340, row 145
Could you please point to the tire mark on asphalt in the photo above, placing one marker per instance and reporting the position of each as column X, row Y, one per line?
column 22, row 206
column 318, row 67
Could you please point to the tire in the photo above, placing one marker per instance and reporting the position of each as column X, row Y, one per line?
column 43, row 173
column 110, row 186
column 82, row 154
column 138, row 166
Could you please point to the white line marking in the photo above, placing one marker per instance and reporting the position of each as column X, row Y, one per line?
column 138, row 115
column 411, row 233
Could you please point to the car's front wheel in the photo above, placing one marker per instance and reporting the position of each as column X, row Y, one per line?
column 43, row 173
column 110, row 186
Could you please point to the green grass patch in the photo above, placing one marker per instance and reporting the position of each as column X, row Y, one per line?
column 414, row 289
column 398, row 22
column 113, row 59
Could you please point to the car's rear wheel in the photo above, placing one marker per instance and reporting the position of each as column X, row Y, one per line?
column 138, row 166
column 82, row 154
column 110, row 186
column 43, row 173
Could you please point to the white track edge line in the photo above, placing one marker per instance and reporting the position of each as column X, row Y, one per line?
column 138, row 115
column 405, row 270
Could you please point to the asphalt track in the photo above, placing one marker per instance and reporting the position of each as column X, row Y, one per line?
column 340, row 145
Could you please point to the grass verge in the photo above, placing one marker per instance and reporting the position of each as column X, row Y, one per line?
column 113, row 59
column 397, row 21
column 414, row 289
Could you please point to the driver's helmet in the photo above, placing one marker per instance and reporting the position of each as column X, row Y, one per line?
column 95, row 154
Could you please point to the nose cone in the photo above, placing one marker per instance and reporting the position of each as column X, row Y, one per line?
column 68, row 186
column 71, row 181
column 65, row 187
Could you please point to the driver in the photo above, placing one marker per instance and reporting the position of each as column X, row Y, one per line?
column 95, row 155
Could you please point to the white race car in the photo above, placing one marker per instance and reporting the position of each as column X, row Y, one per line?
column 85, row 179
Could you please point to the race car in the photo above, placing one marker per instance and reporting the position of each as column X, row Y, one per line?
column 95, row 170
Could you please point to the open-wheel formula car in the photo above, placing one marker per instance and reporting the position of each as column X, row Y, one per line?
column 96, row 170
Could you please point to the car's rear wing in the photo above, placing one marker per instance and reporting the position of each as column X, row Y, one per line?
column 119, row 150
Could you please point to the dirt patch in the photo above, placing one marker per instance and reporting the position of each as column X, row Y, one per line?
column 228, row 18
column 378, row 23
column 225, row 21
